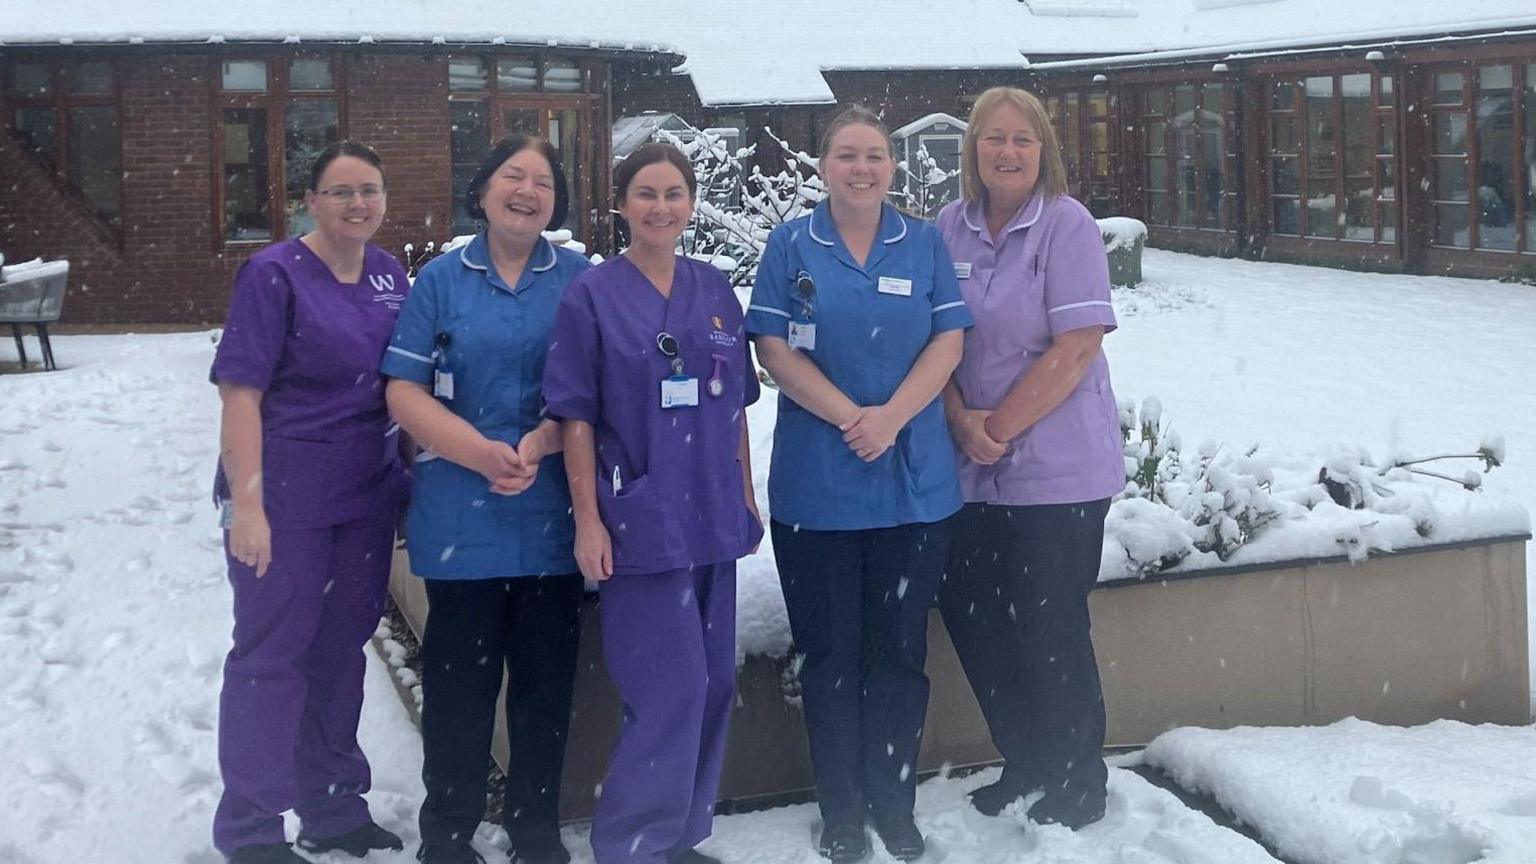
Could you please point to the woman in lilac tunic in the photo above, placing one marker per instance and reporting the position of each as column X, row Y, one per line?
column 1035, row 420
column 650, row 372
column 311, row 484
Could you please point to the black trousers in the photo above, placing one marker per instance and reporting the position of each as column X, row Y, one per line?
column 858, row 606
column 474, row 627
column 1015, row 601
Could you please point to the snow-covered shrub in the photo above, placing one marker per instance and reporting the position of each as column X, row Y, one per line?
column 923, row 188
column 1178, row 508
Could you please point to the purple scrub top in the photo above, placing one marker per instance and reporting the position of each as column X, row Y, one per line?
column 680, row 501
column 1045, row 275
column 312, row 345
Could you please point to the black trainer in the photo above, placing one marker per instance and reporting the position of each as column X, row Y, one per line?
column 843, row 842
column 448, row 852
column 691, row 856
column 358, row 842
column 539, row 849
column 901, row 838
column 265, row 853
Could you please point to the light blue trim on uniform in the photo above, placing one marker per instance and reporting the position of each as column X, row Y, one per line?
column 811, row 227
column 967, row 214
column 941, row 307
column 898, row 238
column 552, row 257
column 886, row 214
column 412, row 355
column 772, row 311
column 464, row 255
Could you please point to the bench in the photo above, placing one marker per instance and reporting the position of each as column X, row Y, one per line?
column 33, row 293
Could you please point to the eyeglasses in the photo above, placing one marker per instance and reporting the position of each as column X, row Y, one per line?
column 344, row 194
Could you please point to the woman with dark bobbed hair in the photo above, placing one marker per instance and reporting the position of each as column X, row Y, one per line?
column 489, row 526
column 311, row 482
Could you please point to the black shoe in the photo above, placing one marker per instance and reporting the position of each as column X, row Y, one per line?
column 265, row 853
column 1074, row 810
column 358, row 842
column 843, row 841
column 994, row 798
column 448, row 852
column 691, row 856
column 901, row 838
column 543, row 848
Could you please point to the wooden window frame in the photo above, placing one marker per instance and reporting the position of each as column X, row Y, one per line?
column 586, row 102
column 275, row 102
column 1229, row 193
column 63, row 99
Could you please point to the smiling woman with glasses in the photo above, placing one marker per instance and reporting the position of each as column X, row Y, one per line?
column 311, row 484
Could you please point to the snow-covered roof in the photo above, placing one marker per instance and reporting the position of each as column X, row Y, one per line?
column 751, row 52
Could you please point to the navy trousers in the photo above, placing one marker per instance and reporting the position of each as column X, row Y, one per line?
column 1015, row 601
column 858, row 606
column 474, row 626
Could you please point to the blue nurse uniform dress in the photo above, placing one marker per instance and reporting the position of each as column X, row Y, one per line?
column 860, row 546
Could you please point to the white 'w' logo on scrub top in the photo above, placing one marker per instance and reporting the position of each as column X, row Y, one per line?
column 382, row 283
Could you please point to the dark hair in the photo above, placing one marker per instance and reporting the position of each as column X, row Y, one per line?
column 344, row 147
column 856, row 115
column 505, row 149
column 650, row 154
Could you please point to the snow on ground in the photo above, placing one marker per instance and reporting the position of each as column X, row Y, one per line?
column 1358, row 793
column 114, row 612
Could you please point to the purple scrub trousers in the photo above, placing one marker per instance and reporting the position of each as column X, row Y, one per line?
column 293, row 690
column 669, row 640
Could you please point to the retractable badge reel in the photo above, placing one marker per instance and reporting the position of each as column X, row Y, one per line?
column 442, row 379
column 802, row 334
column 677, row 390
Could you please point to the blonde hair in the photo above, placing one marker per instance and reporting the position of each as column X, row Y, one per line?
column 856, row 115
column 1053, row 174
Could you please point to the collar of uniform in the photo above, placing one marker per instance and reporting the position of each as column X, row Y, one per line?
column 975, row 218
column 893, row 228
column 476, row 255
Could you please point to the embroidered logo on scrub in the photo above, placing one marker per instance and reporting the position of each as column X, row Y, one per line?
column 384, row 290
column 719, row 336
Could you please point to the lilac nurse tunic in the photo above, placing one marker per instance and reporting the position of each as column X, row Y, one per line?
column 1046, row 273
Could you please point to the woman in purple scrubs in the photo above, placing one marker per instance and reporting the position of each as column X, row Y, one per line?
column 650, row 372
column 1035, row 420
column 311, row 482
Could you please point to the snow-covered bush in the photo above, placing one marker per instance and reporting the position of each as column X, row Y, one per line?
column 1178, row 508
column 923, row 188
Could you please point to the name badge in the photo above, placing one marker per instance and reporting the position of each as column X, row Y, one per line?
column 442, row 384
column 679, row 392
column 892, row 285
column 226, row 514
column 962, row 269
column 802, row 336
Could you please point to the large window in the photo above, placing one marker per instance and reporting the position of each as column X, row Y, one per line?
column 1189, row 161
column 67, row 115
column 1088, row 146
column 1483, row 157
column 1332, row 143
column 492, row 97
column 275, row 116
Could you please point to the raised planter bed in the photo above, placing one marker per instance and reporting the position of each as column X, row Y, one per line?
column 1401, row 638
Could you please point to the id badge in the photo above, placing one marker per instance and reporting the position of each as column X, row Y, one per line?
column 802, row 336
column 892, row 285
column 442, row 384
column 679, row 392
column 226, row 514
column 962, row 269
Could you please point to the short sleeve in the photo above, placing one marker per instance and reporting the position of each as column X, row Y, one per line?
column 949, row 311
column 573, row 370
column 1077, row 274
column 409, row 355
column 768, row 312
column 257, row 326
